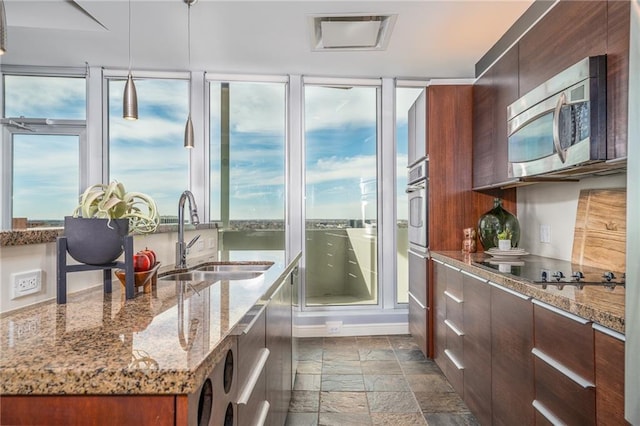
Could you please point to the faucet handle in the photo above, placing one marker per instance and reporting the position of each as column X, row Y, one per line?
column 193, row 241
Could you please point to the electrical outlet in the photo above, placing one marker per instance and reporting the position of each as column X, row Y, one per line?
column 25, row 283
column 200, row 245
column 333, row 327
column 211, row 243
column 545, row 233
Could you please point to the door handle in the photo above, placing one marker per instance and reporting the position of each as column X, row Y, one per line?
column 562, row 100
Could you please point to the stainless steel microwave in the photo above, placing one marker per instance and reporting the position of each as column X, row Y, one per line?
column 560, row 124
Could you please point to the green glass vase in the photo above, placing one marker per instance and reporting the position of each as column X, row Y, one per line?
column 494, row 222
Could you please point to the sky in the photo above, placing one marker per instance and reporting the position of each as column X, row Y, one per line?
column 147, row 155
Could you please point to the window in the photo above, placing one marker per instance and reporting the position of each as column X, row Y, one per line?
column 247, row 162
column 148, row 155
column 43, row 143
column 341, row 190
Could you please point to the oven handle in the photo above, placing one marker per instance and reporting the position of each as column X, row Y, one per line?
column 415, row 188
column 562, row 100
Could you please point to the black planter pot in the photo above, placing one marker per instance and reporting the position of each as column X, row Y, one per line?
column 95, row 241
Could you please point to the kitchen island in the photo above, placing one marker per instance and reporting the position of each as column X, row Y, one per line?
column 166, row 342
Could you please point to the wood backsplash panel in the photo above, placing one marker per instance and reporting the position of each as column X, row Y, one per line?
column 601, row 226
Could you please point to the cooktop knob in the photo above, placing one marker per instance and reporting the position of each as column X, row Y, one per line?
column 577, row 275
column 608, row 276
column 558, row 275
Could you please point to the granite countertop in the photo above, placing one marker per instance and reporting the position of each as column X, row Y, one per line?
column 104, row 344
column 20, row 237
column 594, row 303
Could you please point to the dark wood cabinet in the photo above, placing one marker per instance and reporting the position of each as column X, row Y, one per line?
column 571, row 31
column 563, row 366
column 618, row 15
column 477, row 347
column 492, row 93
column 511, row 364
column 609, row 364
column 123, row 410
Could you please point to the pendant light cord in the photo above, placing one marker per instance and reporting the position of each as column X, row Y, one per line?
column 129, row 36
column 189, row 49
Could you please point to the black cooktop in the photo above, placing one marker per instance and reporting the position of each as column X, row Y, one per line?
column 546, row 271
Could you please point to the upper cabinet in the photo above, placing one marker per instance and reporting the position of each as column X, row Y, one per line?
column 417, row 129
column 568, row 33
column 492, row 93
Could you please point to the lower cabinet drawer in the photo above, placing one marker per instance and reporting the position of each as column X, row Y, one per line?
column 561, row 398
column 454, row 371
column 418, row 323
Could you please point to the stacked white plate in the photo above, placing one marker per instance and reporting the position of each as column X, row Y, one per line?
column 514, row 252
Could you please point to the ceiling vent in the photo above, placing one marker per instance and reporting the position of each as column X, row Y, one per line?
column 350, row 32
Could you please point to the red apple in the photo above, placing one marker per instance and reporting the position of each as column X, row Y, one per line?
column 141, row 262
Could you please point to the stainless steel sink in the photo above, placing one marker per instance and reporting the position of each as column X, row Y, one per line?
column 235, row 267
column 211, row 276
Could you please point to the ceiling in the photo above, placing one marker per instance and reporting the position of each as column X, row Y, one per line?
column 430, row 39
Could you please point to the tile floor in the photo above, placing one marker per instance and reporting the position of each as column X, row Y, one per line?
column 373, row 380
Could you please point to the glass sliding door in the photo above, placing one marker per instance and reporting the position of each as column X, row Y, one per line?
column 341, row 187
column 405, row 97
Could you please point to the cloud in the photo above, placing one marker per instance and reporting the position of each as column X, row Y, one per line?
column 45, row 97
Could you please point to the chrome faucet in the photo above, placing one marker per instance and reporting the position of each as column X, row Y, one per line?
column 181, row 246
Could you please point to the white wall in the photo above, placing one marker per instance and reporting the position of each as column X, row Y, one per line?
column 15, row 259
column 555, row 204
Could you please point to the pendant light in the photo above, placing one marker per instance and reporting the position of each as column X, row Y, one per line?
column 130, row 97
column 189, row 140
column 3, row 29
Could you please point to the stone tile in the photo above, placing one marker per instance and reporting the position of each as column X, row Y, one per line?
column 344, row 419
column 403, row 342
column 310, row 354
column 340, row 342
column 309, row 367
column 419, row 367
column 342, row 382
column 392, row 402
column 373, row 342
column 377, row 355
column 310, row 342
column 398, row 419
column 308, row 382
column 341, row 367
column 410, row 355
column 302, row 419
column 304, row 402
column 380, row 367
column 447, row 402
column 385, row 383
column 340, row 354
column 343, row 402
column 428, row 383
column 451, row 419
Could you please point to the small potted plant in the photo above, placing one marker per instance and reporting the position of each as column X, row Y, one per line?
column 504, row 239
column 103, row 217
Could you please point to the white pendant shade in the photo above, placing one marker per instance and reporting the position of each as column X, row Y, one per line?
column 188, row 134
column 130, row 100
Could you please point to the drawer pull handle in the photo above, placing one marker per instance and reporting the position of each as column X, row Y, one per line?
column 452, row 267
column 453, row 327
column 546, row 413
column 264, row 411
column 417, row 301
column 469, row 274
column 508, row 290
column 561, row 312
column 585, row 384
column 247, row 390
column 453, row 359
column 452, row 297
column 249, row 326
column 609, row 332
